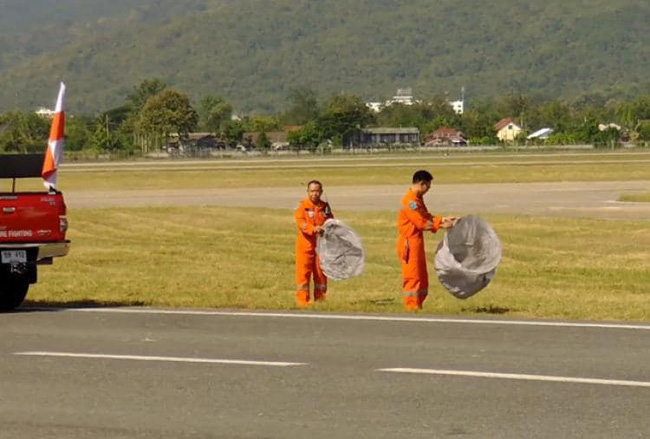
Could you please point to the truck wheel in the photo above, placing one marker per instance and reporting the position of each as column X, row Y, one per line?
column 12, row 294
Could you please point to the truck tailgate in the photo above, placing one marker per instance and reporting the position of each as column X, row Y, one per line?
column 32, row 217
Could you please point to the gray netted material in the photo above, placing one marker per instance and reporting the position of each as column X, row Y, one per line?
column 467, row 257
column 340, row 251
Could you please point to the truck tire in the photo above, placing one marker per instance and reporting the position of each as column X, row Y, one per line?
column 12, row 294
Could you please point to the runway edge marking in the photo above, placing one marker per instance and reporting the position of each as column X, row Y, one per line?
column 514, row 376
column 362, row 318
column 157, row 358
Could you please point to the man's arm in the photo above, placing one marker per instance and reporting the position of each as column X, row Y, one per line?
column 448, row 222
column 423, row 220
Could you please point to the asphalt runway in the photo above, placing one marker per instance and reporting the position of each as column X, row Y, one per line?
column 139, row 373
column 565, row 199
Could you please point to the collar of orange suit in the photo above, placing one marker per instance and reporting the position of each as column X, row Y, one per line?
column 412, row 194
column 308, row 203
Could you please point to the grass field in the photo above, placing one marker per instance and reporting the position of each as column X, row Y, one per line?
column 637, row 198
column 243, row 258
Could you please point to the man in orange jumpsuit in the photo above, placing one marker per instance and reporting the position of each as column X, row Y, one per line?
column 310, row 215
column 413, row 220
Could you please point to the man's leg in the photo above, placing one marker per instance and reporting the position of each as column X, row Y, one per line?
column 415, row 283
column 423, row 291
column 423, row 276
column 320, row 281
column 409, row 292
column 304, row 264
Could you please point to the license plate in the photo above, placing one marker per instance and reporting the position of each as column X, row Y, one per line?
column 13, row 256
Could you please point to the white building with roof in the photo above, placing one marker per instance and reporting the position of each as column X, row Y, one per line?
column 458, row 106
column 404, row 96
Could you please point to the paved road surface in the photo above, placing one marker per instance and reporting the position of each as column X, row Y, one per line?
column 569, row 199
column 136, row 374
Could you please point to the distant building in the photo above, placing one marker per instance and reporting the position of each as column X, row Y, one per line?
column 196, row 140
column 278, row 139
column 541, row 134
column 507, row 130
column 382, row 136
column 445, row 136
column 404, row 96
column 458, row 106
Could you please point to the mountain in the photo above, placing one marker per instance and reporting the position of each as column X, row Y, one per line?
column 254, row 52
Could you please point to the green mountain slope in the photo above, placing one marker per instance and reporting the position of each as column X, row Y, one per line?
column 253, row 52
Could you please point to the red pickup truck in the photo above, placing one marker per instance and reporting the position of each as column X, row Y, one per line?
column 32, row 229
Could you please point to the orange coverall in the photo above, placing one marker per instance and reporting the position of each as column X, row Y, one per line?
column 412, row 221
column 307, row 216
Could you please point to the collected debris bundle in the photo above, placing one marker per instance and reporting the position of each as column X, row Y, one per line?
column 340, row 252
column 466, row 259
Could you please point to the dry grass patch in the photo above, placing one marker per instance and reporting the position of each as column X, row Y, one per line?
column 637, row 198
column 456, row 168
column 243, row 258
column 478, row 173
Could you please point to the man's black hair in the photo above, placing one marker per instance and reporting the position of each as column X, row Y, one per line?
column 315, row 182
column 422, row 176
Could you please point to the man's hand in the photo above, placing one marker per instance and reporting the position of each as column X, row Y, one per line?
column 448, row 222
column 318, row 230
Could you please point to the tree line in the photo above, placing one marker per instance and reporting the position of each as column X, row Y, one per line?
column 153, row 114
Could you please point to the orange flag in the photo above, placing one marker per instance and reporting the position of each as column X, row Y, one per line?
column 54, row 151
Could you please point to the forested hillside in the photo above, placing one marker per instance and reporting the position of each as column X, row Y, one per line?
column 254, row 52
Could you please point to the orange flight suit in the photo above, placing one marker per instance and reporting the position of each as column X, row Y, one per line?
column 412, row 221
column 307, row 216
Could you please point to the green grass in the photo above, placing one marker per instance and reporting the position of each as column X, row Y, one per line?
column 637, row 198
column 244, row 258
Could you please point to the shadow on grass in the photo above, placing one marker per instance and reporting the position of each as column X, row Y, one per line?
column 382, row 302
column 34, row 306
column 487, row 310
column 50, row 306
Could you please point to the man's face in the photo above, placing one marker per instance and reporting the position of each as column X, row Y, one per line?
column 423, row 187
column 314, row 191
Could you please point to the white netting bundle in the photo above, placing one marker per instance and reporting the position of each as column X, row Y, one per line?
column 467, row 257
column 340, row 251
